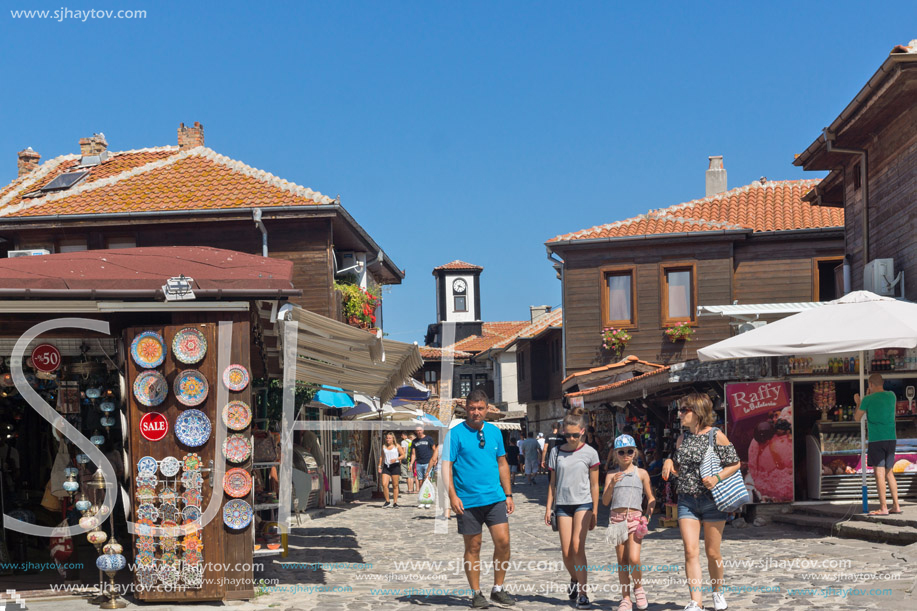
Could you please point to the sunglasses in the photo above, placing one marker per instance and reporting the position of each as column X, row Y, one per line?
column 481, row 441
column 683, row 410
column 573, row 435
column 629, row 452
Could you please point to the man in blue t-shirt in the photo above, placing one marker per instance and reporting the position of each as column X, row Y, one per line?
column 477, row 477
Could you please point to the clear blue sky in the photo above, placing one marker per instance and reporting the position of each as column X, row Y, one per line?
column 455, row 130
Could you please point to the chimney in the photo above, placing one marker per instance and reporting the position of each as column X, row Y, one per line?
column 716, row 176
column 190, row 137
column 94, row 145
column 28, row 161
column 537, row 312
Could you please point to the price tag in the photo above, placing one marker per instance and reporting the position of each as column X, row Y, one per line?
column 46, row 357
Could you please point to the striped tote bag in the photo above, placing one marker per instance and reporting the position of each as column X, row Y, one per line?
column 730, row 494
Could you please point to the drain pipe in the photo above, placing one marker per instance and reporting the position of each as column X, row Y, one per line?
column 256, row 215
column 559, row 265
column 864, row 185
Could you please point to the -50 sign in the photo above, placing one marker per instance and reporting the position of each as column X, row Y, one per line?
column 46, row 357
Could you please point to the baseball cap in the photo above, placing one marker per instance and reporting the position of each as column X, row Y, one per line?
column 540, row 435
column 625, row 441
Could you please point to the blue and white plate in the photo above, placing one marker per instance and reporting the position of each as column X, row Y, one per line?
column 237, row 514
column 147, row 465
column 192, row 427
column 170, row 466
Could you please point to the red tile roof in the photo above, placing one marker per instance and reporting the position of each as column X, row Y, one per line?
column 598, row 389
column 551, row 320
column 768, row 206
column 458, row 266
column 628, row 360
column 156, row 179
column 429, row 353
column 493, row 332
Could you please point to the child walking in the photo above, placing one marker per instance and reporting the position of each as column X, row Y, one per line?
column 625, row 488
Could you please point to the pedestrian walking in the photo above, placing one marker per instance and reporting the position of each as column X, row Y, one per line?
column 531, row 451
column 573, row 494
column 554, row 440
column 423, row 457
column 695, row 501
column 879, row 409
column 625, row 489
column 477, row 477
column 390, row 468
column 406, row 472
column 512, row 459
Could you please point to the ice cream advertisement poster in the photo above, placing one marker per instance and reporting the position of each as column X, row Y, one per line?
column 760, row 425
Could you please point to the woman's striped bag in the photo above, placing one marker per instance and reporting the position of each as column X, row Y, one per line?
column 731, row 493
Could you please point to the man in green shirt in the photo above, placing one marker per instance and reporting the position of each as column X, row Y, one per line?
column 879, row 408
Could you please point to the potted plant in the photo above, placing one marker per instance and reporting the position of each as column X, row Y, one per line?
column 359, row 305
column 681, row 332
column 615, row 340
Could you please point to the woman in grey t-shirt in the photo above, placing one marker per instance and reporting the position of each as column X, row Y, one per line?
column 574, row 487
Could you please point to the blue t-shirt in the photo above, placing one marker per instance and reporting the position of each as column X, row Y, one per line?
column 475, row 473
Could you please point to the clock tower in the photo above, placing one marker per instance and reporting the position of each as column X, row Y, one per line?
column 458, row 300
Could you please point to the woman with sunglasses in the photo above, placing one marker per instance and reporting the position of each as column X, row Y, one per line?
column 624, row 490
column 695, row 501
column 574, row 486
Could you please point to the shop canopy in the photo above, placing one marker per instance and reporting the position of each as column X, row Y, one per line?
column 331, row 352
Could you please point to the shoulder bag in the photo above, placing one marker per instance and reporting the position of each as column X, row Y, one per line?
column 730, row 494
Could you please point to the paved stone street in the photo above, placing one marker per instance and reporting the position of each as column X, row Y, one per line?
column 367, row 541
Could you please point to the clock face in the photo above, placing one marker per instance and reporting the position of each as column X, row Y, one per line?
column 459, row 286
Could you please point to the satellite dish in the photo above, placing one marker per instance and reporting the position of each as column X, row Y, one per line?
column 746, row 326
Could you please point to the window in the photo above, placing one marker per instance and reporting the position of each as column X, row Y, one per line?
column 465, row 381
column 678, row 294
column 826, row 282
column 75, row 245
column 480, row 380
column 460, row 303
column 618, row 305
column 857, row 178
column 121, row 242
column 430, row 376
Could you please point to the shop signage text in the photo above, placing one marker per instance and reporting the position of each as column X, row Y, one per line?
column 749, row 399
column 46, row 357
column 154, row 426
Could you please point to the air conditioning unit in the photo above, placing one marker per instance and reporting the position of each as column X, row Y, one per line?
column 29, row 252
column 750, row 326
column 353, row 263
column 879, row 277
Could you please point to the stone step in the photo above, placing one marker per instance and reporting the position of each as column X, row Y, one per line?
column 852, row 529
column 854, row 511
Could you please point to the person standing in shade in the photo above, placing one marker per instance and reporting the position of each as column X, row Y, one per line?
column 879, row 409
column 406, row 474
column 423, row 456
column 556, row 439
column 476, row 475
column 530, row 453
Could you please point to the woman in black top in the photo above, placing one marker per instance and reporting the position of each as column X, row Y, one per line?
column 512, row 459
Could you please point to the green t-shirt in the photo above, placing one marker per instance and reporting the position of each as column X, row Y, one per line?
column 880, row 415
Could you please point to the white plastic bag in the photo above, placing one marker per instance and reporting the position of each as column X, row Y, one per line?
column 427, row 494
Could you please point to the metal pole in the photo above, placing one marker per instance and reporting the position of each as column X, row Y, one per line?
column 863, row 432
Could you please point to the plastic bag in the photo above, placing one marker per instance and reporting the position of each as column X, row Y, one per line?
column 427, row 494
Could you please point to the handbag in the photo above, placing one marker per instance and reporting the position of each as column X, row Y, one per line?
column 617, row 532
column 553, row 521
column 730, row 494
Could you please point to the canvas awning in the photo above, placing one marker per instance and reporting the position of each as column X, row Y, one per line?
column 331, row 352
column 750, row 311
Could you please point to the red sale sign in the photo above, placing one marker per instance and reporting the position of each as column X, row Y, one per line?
column 46, row 357
column 154, row 426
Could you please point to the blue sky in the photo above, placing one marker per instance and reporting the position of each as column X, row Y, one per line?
column 455, row 130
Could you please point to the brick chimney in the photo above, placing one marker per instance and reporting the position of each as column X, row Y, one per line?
column 190, row 137
column 94, row 145
column 28, row 161
column 716, row 176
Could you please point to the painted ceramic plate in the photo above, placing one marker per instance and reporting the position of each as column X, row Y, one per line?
column 168, row 575
column 170, row 466
column 237, row 514
column 170, row 528
column 191, row 513
column 193, row 543
column 146, row 494
column 192, row 428
column 237, row 415
column 192, row 558
column 144, row 528
column 191, row 462
column 147, row 480
column 147, row 578
column 146, row 544
column 237, row 483
column 150, row 388
column 146, row 465
column 168, row 496
column 148, row 350
column 191, row 387
column 168, row 544
column 169, row 512
column 192, row 496
column 146, row 560
column 189, row 346
column 148, row 511
column 170, row 558
column 192, row 575
column 237, row 448
column 193, row 480
column 235, row 378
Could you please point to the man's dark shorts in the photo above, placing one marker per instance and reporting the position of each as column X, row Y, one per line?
column 881, row 453
column 470, row 522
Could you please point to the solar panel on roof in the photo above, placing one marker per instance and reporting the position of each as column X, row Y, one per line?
column 64, row 181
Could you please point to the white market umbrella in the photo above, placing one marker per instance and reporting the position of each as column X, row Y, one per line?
column 858, row 321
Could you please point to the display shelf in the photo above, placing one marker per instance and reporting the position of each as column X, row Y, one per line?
column 823, row 377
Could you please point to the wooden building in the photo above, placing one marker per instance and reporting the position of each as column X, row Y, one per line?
column 870, row 150
column 760, row 243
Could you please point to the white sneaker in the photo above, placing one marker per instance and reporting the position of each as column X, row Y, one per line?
column 719, row 601
column 693, row 606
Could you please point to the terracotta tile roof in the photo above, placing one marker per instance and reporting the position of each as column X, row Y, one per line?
column 628, row 360
column 154, row 180
column 606, row 387
column 551, row 320
column 493, row 332
column 458, row 265
column 428, row 353
column 769, row 206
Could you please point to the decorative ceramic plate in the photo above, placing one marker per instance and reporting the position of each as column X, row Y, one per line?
column 192, row 496
column 145, row 560
column 191, row 513
column 192, row 480
column 191, row 387
column 147, row 464
column 170, row 558
column 192, row 558
column 237, row 483
column 146, row 544
column 192, row 576
column 192, row 428
column 147, row 480
column 144, row 528
column 193, row 543
column 170, row 528
column 170, row 466
column 150, row 388
column 168, row 575
column 237, row 415
column 189, row 346
column 168, row 544
column 148, row 511
column 146, row 494
column 147, row 578
column 237, row 448
column 237, row 514
column 148, row 349
column 169, row 512
column 235, row 378
column 107, row 406
column 191, row 462
column 167, row 495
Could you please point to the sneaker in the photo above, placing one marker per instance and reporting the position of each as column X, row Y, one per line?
column 395, row 506
column 624, row 605
column 386, row 505
column 502, row 598
column 572, row 589
column 693, row 606
column 640, row 597
column 719, row 602
column 583, row 602
column 478, row 601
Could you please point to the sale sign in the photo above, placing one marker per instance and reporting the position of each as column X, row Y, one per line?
column 46, row 357
column 154, row 426
column 749, row 400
